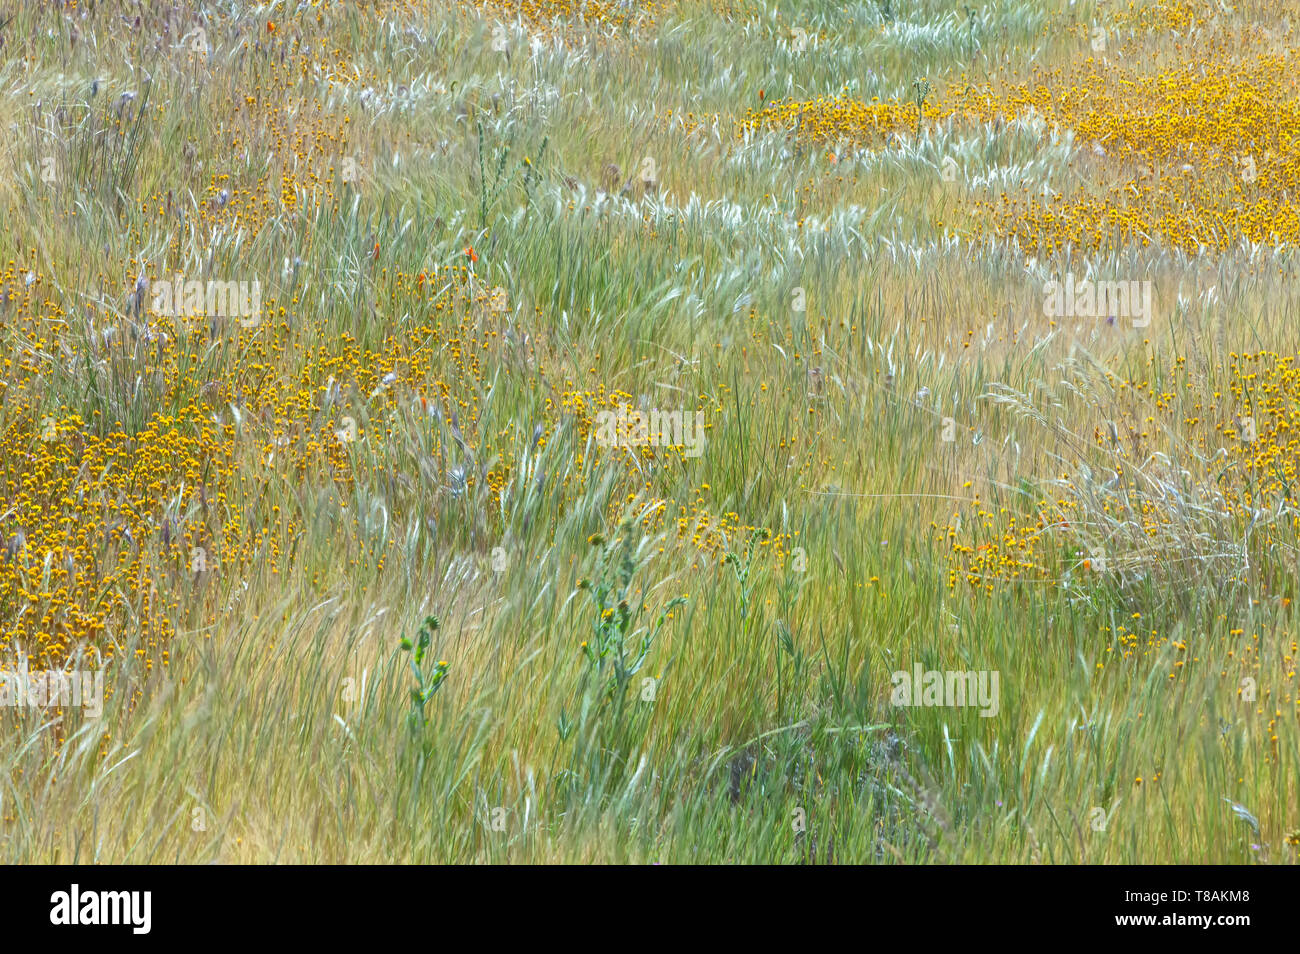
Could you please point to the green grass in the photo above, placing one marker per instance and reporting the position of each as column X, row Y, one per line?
column 279, row 730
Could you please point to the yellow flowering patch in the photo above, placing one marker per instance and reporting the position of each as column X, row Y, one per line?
column 1202, row 154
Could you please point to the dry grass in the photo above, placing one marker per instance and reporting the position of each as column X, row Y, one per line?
column 466, row 254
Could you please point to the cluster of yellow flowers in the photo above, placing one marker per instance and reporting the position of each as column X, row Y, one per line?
column 1197, row 155
column 611, row 13
column 1165, row 15
column 553, row 16
column 1245, row 440
column 1174, row 469
column 118, row 517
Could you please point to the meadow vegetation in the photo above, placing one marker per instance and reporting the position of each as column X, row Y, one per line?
column 367, row 584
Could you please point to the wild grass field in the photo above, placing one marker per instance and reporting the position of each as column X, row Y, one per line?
column 352, row 357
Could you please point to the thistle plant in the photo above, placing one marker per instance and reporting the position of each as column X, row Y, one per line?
column 426, row 683
column 526, row 170
column 742, row 568
column 972, row 23
column 617, row 648
column 920, row 90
